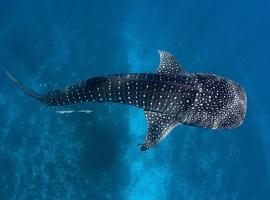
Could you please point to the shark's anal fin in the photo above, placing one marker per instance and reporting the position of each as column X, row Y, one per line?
column 169, row 64
column 159, row 126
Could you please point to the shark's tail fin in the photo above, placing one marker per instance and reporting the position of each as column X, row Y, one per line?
column 21, row 86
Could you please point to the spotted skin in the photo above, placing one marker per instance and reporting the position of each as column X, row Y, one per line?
column 169, row 97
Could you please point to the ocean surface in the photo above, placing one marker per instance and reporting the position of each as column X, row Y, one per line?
column 53, row 43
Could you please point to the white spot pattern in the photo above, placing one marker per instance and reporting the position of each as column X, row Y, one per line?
column 170, row 97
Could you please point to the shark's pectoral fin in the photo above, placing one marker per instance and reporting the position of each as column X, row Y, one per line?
column 169, row 64
column 159, row 126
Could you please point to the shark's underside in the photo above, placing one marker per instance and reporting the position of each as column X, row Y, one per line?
column 169, row 97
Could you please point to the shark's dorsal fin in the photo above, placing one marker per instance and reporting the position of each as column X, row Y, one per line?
column 159, row 126
column 169, row 65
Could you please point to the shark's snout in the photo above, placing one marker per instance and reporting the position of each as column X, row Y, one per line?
column 242, row 104
column 237, row 110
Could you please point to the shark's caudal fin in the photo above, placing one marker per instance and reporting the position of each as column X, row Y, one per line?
column 21, row 86
column 159, row 124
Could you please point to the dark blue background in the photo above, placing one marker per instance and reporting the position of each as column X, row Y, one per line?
column 49, row 44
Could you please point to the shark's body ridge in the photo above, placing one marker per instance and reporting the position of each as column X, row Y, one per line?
column 169, row 97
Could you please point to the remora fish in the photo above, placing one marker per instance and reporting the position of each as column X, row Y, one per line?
column 74, row 111
column 169, row 97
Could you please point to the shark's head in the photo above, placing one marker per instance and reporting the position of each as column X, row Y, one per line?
column 237, row 108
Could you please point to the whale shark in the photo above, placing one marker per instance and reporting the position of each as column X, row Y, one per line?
column 169, row 97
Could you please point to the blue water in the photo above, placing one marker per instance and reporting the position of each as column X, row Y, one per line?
column 49, row 44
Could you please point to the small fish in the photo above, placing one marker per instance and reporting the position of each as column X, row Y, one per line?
column 65, row 111
column 84, row 111
column 74, row 111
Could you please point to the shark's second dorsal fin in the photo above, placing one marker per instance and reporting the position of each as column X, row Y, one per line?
column 169, row 64
column 159, row 126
